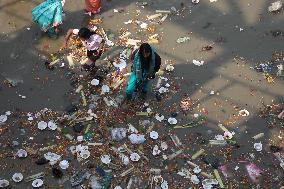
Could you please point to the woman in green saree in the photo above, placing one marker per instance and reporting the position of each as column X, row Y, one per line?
column 146, row 62
column 48, row 16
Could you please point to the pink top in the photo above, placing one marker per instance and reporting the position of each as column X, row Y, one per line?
column 93, row 43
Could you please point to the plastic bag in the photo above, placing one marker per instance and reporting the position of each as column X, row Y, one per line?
column 118, row 134
column 136, row 138
column 94, row 183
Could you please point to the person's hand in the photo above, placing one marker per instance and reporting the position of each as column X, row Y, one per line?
column 57, row 30
column 62, row 3
column 89, row 62
column 55, row 24
column 102, row 50
column 64, row 45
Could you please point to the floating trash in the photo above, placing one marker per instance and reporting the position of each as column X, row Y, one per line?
column 194, row 179
column 125, row 160
column 52, row 125
column 64, row 164
column 154, row 135
column 95, row 82
column 207, row 183
column 254, row 172
column 280, row 68
column 170, row 68
column 195, row 1
column 134, row 157
column 8, row 113
column 146, row 104
column 21, row 153
column 156, row 150
column 195, row 115
column 167, row 85
column 258, row 136
column 118, row 134
column 121, row 149
column 196, row 170
column 118, row 187
column 198, row 63
column 258, row 146
column 17, row 177
column 121, row 65
column 163, row 90
column 105, row 89
column 207, row 48
column 263, row 67
column 219, row 137
column 3, row 118
column 158, row 179
column 148, row 110
column 80, row 138
column 85, row 154
column 15, row 143
column 73, row 149
column 105, row 159
column 62, row 65
column 173, row 9
column 143, row 25
column 13, row 81
column 164, row 185
column 42, row 125
column 37, row 183
column 276, row 6
column 183, row 39
column 244, row 113
column 164, row 146
column 228, row 135
column 217, row 142
column 136, row 138
column 91, row 116
column 80, row 148
column 52, row 157
column 172, row 121
column 159, row 117
column 94, row 183
column 132, row 129
column 186, row 104
column 4, row 183
column 184, row 173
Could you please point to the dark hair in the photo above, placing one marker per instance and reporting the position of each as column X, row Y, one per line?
column 145, row 47
column 85, row 33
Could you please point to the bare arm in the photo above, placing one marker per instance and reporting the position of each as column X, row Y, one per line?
column 134, row 51
column 67, row 37
column 102, row 45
